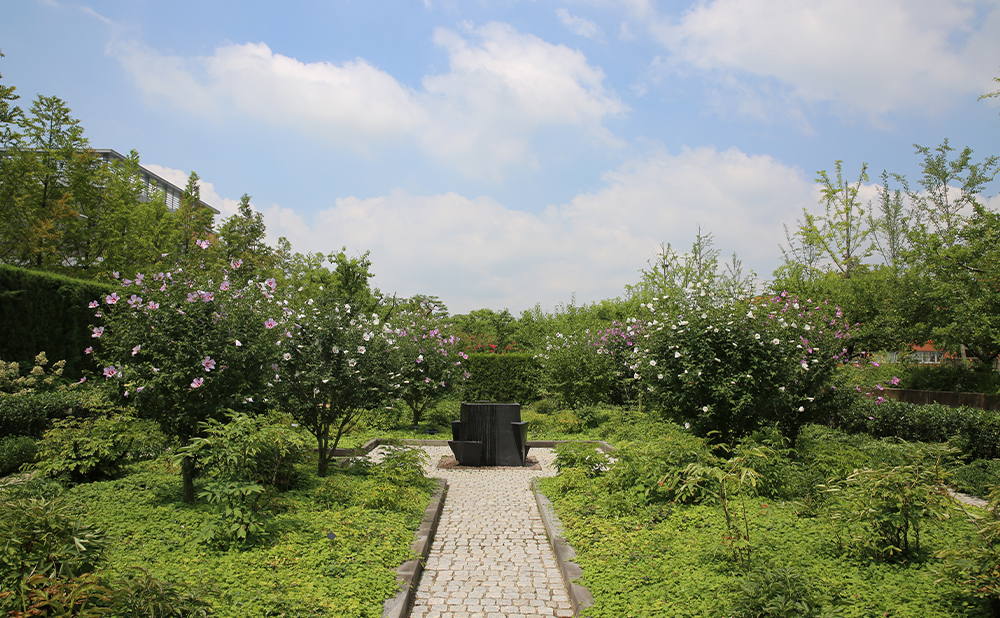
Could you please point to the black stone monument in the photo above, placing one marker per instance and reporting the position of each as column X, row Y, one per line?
column 490, row 434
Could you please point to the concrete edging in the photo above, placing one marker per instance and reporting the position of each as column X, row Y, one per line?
column 408, row 574
column 579, row 596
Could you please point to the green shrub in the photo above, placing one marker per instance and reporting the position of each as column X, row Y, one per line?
column 778, row 593
column 584, row 456
column 30, row 413
column 978, row 430
column 642, row 466
column 15, row 451
column 978, row 477
column 45, row 537
column 140, row 594
column 976, row 566
column 882, row 510
column 248, row 459
column 335, row 490
column 404, row 466
column 502, row 377
column 443, row 413
column 97, row 448
column 970, row 377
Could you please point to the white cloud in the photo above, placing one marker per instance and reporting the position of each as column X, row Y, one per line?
column 863, row 57
column 580, row 26
column 478, row 252
column 481, row 116
column 354, row 102
column 501, row 88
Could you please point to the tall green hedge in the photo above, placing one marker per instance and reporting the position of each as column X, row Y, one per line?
column 42, row 312
column 502, row 377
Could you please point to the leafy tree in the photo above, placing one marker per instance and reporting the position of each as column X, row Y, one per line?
column 242, row 236
column 10, row 115
column 46, row 163
column 890, row 229
column 941, row 178
column 840, row 232
column 429, row 361
column 956, row 283
column 336, row 362
column 186, row 345
column 194, row 224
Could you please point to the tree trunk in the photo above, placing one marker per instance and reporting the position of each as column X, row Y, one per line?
column 187, row 476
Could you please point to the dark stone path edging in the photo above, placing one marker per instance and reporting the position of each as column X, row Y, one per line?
column 408, row 574
column 579, row 596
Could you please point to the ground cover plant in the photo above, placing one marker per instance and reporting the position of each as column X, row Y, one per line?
column 315, row 547
column 676, row 527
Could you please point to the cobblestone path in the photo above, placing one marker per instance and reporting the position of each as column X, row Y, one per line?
column 490, row 557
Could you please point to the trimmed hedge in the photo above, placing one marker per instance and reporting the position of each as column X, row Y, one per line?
column 978, row 430
column 28, row 414
column 43, row 312
column 502, row 377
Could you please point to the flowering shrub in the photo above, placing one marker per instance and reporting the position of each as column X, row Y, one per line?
column 429, row 362
column 734, row 366
column 574, row 370
column 334, row 364
column 186, row 345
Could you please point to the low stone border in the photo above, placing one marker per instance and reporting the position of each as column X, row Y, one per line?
column 408, row 574
column 579, row 596
column 374, row 443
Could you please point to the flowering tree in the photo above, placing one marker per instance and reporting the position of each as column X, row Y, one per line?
column 334, row 363
column 429, row 361
column 186, row 345
column 734, row 366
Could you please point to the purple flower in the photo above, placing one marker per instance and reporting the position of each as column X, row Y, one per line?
column 895, row 381
column 93, row 304
column 88, row 350
column 110, row 372
column 225, row 285
column 203, row 244
column 191, row 297
column 208, row 364
column 270, row 323
column 111, row 298
column 135, row 350
column 197, row 382
column 98, row 332
column 235, row 263
column 82, row 380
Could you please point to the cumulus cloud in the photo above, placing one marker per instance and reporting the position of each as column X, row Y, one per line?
column 354, row 102
column 479, row 252
column 862, row 57
column 501, row 88
column 481, row 116
column 580, row 26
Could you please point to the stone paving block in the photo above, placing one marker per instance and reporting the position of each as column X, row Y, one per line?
column 490, row 557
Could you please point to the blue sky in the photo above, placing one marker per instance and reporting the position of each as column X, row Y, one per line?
column 502, row 154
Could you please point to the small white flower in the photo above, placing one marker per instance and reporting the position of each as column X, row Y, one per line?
column 652, row 363
column 677, row 354
column 286, row 356
column 775, row 341
column 704, row 409
column 756, row 335
column 802, row 409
